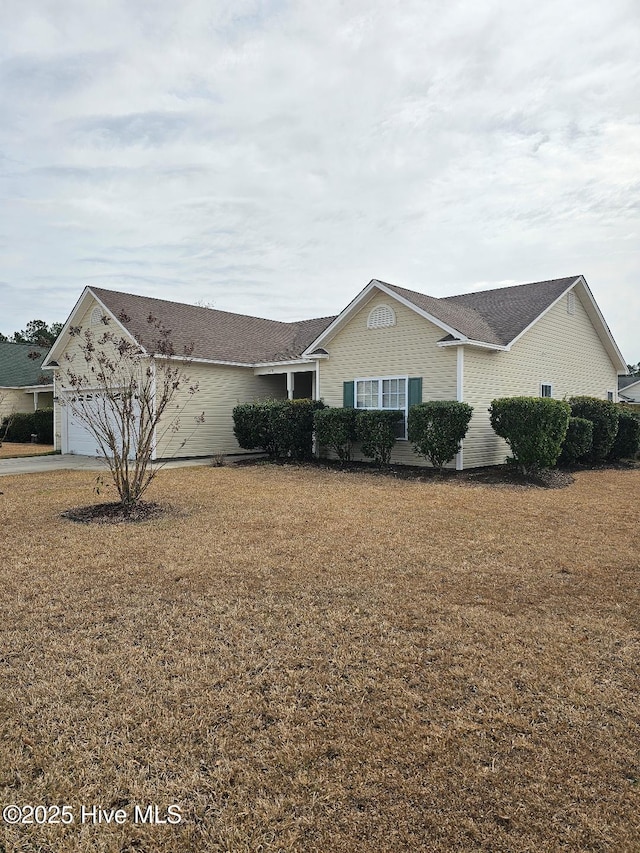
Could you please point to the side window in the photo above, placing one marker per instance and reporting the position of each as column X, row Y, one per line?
column 546, row 389
column 383, row 393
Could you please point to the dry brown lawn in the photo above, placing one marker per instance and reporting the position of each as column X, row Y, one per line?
column 310, row 660
column 9, row 449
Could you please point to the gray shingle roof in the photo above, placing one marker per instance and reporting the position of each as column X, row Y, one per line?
column 18, row 369
column 625, row 381
column 492, row 316
column 214, row 335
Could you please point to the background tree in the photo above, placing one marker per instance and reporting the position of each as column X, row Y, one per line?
column 38, row 333
column 129, row 399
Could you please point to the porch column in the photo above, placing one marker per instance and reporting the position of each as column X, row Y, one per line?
column 35, row 400
column 289, row 384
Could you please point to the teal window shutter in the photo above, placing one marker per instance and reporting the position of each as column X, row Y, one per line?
column 347, row 395
column 415, row 391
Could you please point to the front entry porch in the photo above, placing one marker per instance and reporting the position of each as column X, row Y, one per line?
column 290, row 382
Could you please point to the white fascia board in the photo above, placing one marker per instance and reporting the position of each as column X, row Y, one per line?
column 28, row 388
column 468, row 343
column 60, row 342
column 546, row 311
column 122, row 327
column 595, row 313
column 293, row 361
column 361, row 299
column 78, row 308
column 282, row 367
column 248, row 364
column 609, row 339
column 192, row 360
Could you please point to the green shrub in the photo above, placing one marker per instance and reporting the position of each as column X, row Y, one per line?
column 25, row 424
column 336, row 430
column 534, row 428
column 577, row 442
column 278, row 427
column 292, row 425
column 252, row 429
column 627, row 441
column 604, row 416
column 43, row 423
column 376, row 432
column 437, row 428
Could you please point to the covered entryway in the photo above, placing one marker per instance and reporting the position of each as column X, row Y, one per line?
column 291, row 381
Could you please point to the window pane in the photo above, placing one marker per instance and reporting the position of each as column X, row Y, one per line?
column 367, row 394
column 393, row 393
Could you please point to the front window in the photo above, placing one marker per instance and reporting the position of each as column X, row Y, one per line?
column 384, row 393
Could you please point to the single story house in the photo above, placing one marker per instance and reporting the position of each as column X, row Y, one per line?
column 629, row 390
column 24, row 386
column 388, row 348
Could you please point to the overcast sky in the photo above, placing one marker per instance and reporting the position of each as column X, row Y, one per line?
column 271, row 157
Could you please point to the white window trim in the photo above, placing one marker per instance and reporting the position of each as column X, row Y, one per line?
column 546, row 384
column 613, row 395
column 379, row 380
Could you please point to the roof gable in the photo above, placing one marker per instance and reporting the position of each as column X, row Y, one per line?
column 21, row 364
column 205, row 333
column 492, row 318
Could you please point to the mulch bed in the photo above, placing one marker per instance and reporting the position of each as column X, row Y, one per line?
column 493, row 475
column 114, row 513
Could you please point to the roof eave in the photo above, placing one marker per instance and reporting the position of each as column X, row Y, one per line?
column 470, row 343
column 63, row 338
column 603, row 332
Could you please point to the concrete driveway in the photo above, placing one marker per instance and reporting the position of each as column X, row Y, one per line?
column 68, row 462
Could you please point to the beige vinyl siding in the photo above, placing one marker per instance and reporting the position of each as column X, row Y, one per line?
column 14, row 400
column 220, row 388
column 561, row 349
column 406, row 349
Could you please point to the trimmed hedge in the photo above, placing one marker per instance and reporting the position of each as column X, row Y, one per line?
column 577, row 442
column 604, row 416
column 278, row 427
column 336, row 430
column 376, row 432
column 437, row 428
column 25, row 424
column 534, row 428
column 627, row 441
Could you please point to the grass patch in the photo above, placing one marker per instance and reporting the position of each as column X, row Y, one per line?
column 16, row 450
column 305, row 660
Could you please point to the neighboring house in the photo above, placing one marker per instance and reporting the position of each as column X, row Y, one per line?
column 24, row 386
column 389, row 348
column 629, row 390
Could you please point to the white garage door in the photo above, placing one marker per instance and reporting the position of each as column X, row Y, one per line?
column 80, row 440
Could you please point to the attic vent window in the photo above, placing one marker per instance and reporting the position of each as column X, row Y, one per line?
column 380, row 317
column 96, row 316
column 571, row 303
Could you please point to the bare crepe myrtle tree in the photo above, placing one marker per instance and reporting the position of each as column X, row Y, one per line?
column 128, row 398
column 5, row 421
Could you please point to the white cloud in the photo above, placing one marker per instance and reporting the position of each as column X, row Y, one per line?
column 272, row 157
